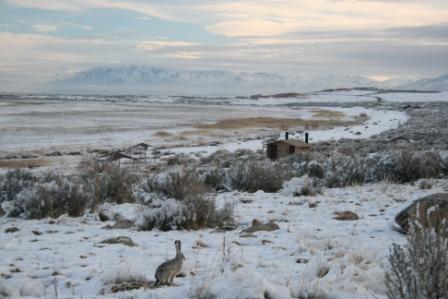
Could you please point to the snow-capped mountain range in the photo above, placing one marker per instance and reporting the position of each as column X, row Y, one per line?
column 150, row 79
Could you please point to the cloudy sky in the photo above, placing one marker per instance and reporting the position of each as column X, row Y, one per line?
column 42, row 39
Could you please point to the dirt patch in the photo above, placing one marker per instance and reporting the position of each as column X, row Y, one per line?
column 321, row 113
column 162, row 134
column 273, row 123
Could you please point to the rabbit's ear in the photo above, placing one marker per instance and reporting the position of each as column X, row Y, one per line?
column 177, row 242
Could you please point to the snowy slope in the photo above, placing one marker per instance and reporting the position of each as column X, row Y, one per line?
column 434, row 84
column 136, row 75
column 135, row 79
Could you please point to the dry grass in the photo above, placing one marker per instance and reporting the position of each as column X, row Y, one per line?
column 25, row 163
column 162, row 134
column 321, row 113
column 273, row 123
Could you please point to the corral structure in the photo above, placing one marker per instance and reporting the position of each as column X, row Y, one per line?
column 138, row 151
column 281, row 148
column 132, row 156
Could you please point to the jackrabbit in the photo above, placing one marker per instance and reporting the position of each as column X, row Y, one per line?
column 166, row 271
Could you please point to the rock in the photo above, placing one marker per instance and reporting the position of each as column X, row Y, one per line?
column 120, row 240
column 256, row 222
column 424, row 184
column 120, row 224
column 129, row 285
column 54, row 154
column 346, row 215
column 74, row 153
column 246, row 200
column 247, row 235
column 30, row 156
column 10, row 230
column 312, row 204
column 302, row 260
column 430, row 212
column 2, row 212
column 102, row 216
column 270, row 226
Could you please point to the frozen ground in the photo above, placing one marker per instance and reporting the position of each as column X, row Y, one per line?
column 310, row 253
column 66, row 123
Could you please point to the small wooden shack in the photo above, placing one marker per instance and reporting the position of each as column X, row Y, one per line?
column 282, row 148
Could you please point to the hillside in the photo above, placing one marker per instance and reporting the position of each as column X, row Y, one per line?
column 144, row 79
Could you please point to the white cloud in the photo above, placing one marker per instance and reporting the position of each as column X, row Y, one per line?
column 84, row 27
column 270, row 18
column 185, row 55
column 144, row 18
column 163, row 44
column 46, row 28
column 78, row 5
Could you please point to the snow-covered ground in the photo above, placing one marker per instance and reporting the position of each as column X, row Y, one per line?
column 351, row 96
column 310, row 253
column 79, row 125
column 45, row 125
column 72, row 123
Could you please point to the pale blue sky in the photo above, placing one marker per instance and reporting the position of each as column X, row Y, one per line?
column 40, row 40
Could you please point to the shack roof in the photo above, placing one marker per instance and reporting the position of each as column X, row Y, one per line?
column 140, row 145
column 114, row 156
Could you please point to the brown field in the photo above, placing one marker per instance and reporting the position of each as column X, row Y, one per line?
column 25, row 163
column 327, row 114
column 162, row 134
column 273, row 123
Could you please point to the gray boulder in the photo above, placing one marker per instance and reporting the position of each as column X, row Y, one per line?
column 429, row 212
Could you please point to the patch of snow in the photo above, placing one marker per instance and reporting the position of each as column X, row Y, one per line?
column 345, row 259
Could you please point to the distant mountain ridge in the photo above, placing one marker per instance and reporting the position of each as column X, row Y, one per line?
column 434, row 84
column 150, row 79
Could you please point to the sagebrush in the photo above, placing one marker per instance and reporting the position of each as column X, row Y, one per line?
column 419, row 270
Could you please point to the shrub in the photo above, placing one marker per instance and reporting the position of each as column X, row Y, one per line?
column 13, row 182
column 165, row 215
column 107, row 182
column 5, row 292
column 315, row 170
column 424, row 184
column 182, row 203
column 192, row 213
column 411, row 166
column 181, row 184
column 49, row 199
column 303, row 186
column 55, row 199
column 216, row 179
column 419, row 269
column 252, row 175
column 345, row 170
